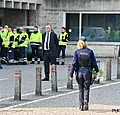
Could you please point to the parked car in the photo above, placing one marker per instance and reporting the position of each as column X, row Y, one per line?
column 29, row 30
column 94, row 33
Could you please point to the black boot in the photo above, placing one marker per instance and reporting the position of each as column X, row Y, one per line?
column 81, row 108
column 38, row 62
column 57, row 61
column 86, row 105
column 45, row 79
column 62, row 63
column 32, row 62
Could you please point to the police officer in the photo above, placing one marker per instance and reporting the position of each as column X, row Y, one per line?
column 63, row 39
column 11, row 46
column 5, row 43
column 23, row 44
column 36, row 42
column 83, row 62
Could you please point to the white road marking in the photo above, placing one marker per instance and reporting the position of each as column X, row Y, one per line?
column 4, row 99
column 56, row 96
column 3, row 79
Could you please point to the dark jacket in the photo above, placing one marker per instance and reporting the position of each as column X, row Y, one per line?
column 52, row 45
column 75, row 61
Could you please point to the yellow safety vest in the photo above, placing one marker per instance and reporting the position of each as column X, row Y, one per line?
column 9, row 35
column 36, row 37
column 63, row 37
column 25, row 43
column 16, row 43
column 4, row 33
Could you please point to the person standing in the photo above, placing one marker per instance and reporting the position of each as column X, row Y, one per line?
column 5, row 43
column 23, row 44
column 0, row 51
column 63, row 39
column 84, row 61
column 36, row 43
column 16, row 49
column 11, row 46
column 49, row 47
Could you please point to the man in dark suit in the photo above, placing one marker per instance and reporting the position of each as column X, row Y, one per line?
column 49, row 47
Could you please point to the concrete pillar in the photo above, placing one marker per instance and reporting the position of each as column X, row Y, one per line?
column 69, row 82
column 54, row 78
column 118, row 68
column 17, row 91
column 38, row 90
column 108, row 69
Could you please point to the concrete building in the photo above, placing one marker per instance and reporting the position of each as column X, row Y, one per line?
column 75, row 15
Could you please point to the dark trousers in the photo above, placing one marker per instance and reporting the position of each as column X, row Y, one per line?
column 4, row 52
column 23, row 52
column 11, row 53
column 61, row 48
column 83, row 80
column 35, row 51
column 0, row 58
column 16, row 53
column 47, row 60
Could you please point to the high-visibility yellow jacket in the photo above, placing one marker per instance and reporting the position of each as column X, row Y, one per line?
column 24, row 39
column 16, row 38
column 11, row 39
column 4, row 34
column 63, row 39
column 36, row 38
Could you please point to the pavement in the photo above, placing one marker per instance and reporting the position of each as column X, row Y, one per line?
column 104, row 97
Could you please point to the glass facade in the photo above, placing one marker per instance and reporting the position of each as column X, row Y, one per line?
column 101, row 27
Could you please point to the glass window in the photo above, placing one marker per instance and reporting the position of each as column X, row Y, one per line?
column 101, row 27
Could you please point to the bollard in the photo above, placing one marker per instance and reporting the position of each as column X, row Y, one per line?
column 38, row 90
column 118, row 68
column 69, row 82
column 108, row 69
column 54, row 78
column 17, row 93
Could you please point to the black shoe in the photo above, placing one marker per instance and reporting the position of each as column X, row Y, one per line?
column 24, row 63
column 85, row 105
column 63, row 63
column 32, row 62
column 45, row 79
column 81, row 108
column 38, row 62
column 57, row 63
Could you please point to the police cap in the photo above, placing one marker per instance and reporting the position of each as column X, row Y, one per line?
column 82, row 38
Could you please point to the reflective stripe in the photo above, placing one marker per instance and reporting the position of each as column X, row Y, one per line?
column 4, row 37
column 62, row 43
column 36, row 37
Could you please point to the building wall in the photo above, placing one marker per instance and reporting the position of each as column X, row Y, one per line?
column 13, row 18
column 77, row 5
column 100, row 50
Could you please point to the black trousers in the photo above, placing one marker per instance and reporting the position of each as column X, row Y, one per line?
column 16, row 53
column 48, row 59
column 35, row 51
column 4, row 52
column 83, row 80
column 61, row 48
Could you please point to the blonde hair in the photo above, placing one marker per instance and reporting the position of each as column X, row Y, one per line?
column 81, row 44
